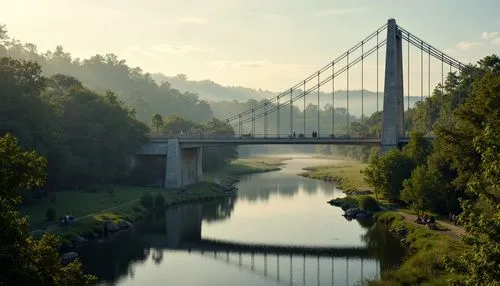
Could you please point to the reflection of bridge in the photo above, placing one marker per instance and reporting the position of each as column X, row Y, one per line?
column 183, row 153
column 214, row 245
column 183, row 225
column 271, row 266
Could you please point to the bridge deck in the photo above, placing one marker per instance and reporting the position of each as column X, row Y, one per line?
column 270, row 141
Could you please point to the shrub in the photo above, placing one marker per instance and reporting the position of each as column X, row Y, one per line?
column 147, row 200
column 159, row 201
column 50, row 214
column 368, row 203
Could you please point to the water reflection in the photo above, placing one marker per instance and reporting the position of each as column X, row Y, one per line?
column 261, row 187
column 272, row 210
column 218, row 210
column 115, row 259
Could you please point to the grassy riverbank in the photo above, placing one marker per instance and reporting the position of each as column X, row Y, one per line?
column 92, row 225
column 430, row 251
column 92, row 206
column 231, row 173
column 345, row 172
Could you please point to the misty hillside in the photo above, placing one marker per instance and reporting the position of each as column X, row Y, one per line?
column 212, row 91
column 218, row 95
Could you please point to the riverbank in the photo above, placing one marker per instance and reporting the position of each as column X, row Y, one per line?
column 231, row 174
column 120, row 206
column 430, row 254
column 347, row 173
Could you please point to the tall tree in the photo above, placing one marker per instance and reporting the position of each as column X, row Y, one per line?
column 23, row 260
column 157, row 121
column 386, row 173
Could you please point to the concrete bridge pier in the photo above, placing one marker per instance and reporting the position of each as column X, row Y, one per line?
column 183, row 162
column 184, row 165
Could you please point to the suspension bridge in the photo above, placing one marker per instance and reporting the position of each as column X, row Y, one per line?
column 286, row 118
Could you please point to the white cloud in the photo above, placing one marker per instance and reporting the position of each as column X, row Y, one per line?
column 339, row 12
column 193, row 20
column 490, row 35
column 467, row 45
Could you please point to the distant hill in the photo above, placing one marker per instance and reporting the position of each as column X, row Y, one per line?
column 219, row 96
column 212, row 91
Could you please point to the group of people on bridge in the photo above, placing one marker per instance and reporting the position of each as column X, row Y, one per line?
column 313, row 135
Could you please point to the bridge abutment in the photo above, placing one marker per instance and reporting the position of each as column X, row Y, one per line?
column 184, row 165
column 393, row 114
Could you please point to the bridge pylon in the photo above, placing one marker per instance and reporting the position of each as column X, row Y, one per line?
column 393, row 113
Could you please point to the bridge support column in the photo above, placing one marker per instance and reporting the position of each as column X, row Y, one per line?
column 393, row 113
column 173, row 177
column 184, row 165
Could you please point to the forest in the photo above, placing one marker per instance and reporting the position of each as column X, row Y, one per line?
column 459, row 171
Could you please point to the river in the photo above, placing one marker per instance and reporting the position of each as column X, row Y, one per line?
column 271, row 210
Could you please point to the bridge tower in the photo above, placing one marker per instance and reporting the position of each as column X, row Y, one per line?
column 393, row 113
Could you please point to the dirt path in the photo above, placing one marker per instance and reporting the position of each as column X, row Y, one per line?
column 454, row 232
column 105, row 210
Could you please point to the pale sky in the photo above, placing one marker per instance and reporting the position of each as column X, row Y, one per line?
column 268, row 44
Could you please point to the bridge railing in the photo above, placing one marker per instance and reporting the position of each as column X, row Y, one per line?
column 249, row 136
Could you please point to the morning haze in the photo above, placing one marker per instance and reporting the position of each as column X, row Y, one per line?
column 189, row 142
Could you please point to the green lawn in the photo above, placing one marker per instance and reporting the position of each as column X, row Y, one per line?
column 123, row 199
column 346, row 172
column 80, row 203
column 426, row 262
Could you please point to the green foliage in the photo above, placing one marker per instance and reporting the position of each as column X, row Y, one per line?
column 345, row 203
column 19, row 170
column 418, row 148
column 147, row 200
column 85, row 136
column 136, row 88
column 386, row 173
column 157, row 121
column 423, row 190
column 368, row 203
column 50, row 214
column 465, row 164
column 426, row 263
column 159, row 201
column 481, row 216
column 26, row 261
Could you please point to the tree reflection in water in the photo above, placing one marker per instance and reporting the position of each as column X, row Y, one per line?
column 218, row 210
column 384, row 246
column 113, row 258
column 279, row 184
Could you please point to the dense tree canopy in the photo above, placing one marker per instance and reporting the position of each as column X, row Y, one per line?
column 86, row 137
column 135, row 88
column 23, row 260
column 463, row 164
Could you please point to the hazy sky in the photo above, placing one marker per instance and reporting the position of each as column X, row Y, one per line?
column 269, row 44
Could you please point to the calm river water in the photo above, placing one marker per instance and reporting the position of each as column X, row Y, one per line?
column 271, row 209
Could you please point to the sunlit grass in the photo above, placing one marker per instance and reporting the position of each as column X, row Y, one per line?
column 236, row 168
column 347, row 173
column 429, row 251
